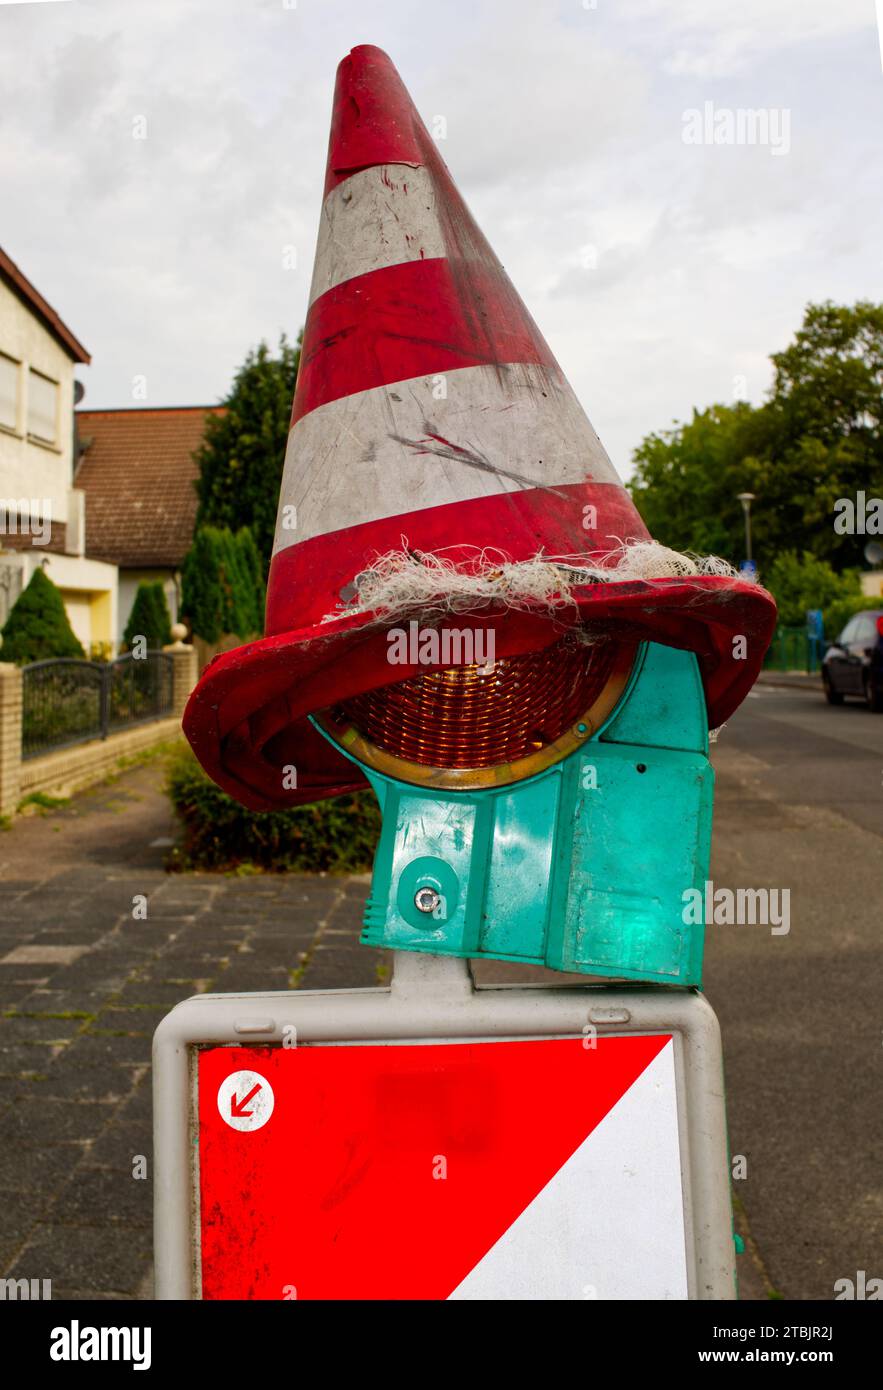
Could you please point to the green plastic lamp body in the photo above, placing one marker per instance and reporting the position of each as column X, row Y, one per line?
column 585, row 867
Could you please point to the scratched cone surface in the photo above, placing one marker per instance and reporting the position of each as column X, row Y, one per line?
column 430, row 417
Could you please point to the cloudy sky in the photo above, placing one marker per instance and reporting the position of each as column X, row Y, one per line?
column 662, row 272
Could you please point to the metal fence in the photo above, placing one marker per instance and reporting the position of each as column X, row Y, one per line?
column 794, row 649
column 66, row 701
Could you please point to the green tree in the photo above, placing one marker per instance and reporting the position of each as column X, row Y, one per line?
column 816, row 439
column 222, row 584
column 38, row 626
column 686, row 480
column 150, row 617
column 241, row 603
column 254, row 568
column 240, row 459
column 799, row 582
column 202, row 597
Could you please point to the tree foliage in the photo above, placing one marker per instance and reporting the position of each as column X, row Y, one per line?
column 817, row 438
column 222, row 588
column 38, row 627
column 800, row 582
column 240, row 459
column 150, row 617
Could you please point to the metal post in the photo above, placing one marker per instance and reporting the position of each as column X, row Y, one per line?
column 104, row 699
column 746, row 498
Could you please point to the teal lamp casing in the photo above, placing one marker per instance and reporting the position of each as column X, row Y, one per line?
column 583, row 867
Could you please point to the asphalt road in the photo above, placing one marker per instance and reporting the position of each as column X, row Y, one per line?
column 799, row 806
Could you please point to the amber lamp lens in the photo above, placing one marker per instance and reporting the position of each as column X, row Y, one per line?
column 476, row 717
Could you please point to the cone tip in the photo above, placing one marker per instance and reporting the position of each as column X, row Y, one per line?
column 373, row 118
column 366, row 51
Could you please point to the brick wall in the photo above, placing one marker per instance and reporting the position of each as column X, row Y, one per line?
column 10, row 737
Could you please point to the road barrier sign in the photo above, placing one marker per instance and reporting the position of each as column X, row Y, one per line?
column 432, row 1140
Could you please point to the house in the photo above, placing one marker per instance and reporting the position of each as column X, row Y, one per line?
column 137, row 474
column 42, row 511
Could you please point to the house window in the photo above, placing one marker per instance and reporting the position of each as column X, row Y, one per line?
column 8, row 393
column 42, row 408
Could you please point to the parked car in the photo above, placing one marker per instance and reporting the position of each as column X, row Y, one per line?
column 853, row 665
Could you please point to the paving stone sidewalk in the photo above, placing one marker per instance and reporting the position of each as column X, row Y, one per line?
column 84, row 980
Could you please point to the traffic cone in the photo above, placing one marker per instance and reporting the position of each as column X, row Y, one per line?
column 437, row 451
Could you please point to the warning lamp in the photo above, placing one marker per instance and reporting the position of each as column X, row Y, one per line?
column 485, row 725
column 550, row 809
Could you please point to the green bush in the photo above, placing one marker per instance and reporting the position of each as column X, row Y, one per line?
column 38, row 627
column 838, row 614
column 800, row 582
column 254, row 570
column 222, row 587
column 202, row 599
column 337, row 836
column 150, row 617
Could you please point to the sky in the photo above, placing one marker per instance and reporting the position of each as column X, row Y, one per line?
column 162, row 162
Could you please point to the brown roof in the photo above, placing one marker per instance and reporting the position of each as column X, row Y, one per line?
column 138, row 474
column 21, row 285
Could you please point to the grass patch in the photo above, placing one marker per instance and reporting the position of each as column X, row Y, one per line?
column 66, row 1014
column 155, row 753
column 43, row 801
column 113, row 1033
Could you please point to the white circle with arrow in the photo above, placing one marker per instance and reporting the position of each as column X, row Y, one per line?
column 245, row 1100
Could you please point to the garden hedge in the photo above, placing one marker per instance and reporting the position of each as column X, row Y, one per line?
column 336, row 836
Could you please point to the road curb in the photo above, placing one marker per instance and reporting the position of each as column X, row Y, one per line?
column 787, row 680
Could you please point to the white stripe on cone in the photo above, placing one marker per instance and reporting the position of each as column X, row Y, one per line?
column 382, row 216
column 610, row 1224
column 512, row 427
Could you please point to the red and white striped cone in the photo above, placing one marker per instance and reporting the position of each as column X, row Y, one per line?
column 429, row 416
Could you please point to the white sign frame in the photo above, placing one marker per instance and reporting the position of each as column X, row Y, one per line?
column 433, row 998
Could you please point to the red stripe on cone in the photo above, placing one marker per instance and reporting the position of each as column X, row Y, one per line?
column 411, row 320
column 373, row 120
column 306, row 579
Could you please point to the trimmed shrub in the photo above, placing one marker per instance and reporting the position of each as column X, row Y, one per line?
column 150, row 617
column 38, row 627
column 337, row 836
column 254, row 569
column 222, row 585
column 202, row 598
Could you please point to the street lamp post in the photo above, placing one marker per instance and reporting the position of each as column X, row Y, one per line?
column 746, row 498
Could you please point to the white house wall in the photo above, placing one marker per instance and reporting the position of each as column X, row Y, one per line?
column 28, row 469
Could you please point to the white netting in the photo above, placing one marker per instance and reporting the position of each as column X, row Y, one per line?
column 406, row 581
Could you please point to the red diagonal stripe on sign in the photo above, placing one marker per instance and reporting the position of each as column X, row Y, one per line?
column 409, row 320
column 336, row 1195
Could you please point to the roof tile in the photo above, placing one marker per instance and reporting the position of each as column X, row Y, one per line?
column 138, row 473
